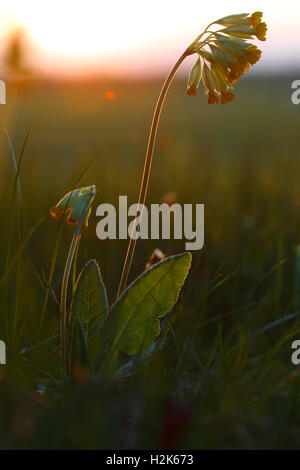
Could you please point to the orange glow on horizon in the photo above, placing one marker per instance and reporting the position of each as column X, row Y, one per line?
column 135, row 38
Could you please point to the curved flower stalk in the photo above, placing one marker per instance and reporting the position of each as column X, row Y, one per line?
column 76, row 205
column 224, row 55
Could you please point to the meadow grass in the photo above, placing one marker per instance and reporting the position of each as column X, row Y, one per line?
column 221, row 374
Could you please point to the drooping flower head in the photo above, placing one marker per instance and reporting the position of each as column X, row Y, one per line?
column 76, row 205
column 224, row 55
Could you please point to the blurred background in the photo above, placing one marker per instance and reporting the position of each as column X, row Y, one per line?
column 88, row 74
column 90, row 77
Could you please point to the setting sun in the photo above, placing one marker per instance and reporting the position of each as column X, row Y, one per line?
column 85, row 33
column 110, row 95
column 128, row 38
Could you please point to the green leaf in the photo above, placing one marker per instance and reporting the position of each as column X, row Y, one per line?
column 132, row 324
column 91, row 307
column 78, row 350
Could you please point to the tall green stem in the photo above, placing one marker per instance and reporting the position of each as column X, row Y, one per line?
column 64, row 290
column 147, row 169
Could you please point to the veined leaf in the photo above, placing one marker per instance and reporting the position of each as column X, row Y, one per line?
column 133, row 321
column 79, row 353
column 91, row 307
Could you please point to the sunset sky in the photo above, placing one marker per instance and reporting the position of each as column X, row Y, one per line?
column 137, row 37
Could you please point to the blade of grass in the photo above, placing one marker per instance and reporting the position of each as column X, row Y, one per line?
column 15, row 186
column 21, row 249
column 32, row 348
column 276, row 322
column 14, row 159
column 75, row 267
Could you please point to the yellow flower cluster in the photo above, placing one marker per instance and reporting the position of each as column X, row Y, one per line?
column 225, row 55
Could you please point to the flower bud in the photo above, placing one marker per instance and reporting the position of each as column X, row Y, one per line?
column 194, row 78
column 76, row 205
column 232, row 19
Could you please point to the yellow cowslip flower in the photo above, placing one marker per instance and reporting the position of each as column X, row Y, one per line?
column 232, row 19
column 232, row 45
column 221, row 55
column 75, row 204
column 249, row 29
column 256, row 18
column 222, row 84
column 253, row 55
column 220, row 77
column 207, row 56
column 241, row 31
column 241, row 19
column 194, row 78
column 212, row 98
column 210, row 85
column 236, row 70
column 230, row 55
column 226, row 97
column 261, row 31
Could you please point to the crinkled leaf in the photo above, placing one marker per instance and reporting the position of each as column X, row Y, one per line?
column 132, row 324
column 90, row 306
column 78, row 350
